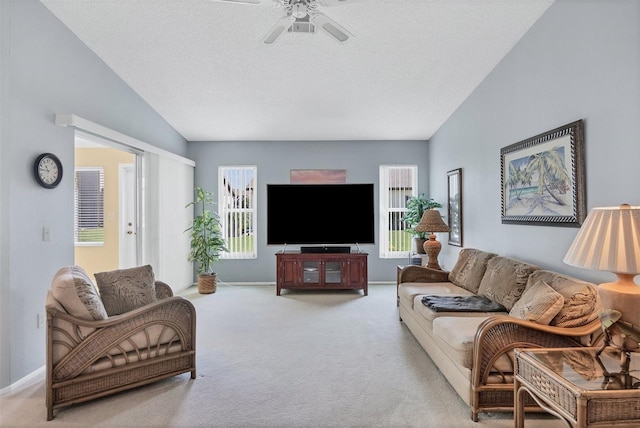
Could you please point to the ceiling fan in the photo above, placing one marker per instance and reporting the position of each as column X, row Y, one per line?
column 300, row 16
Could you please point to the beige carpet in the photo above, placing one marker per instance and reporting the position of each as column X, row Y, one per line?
column 304, row 359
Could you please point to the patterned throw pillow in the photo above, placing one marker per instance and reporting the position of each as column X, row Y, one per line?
column 126, row 289
column 539, row 303
column 505, row 280
column 470, row 268
column 581, row 298
column 73, row 289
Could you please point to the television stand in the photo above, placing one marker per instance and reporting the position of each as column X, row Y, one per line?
column 321, row 271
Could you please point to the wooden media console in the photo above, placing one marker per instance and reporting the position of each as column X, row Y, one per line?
column 321, row 271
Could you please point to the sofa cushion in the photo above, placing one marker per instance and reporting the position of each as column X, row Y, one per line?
column 505, row 279
column 126, row 289
column 407, row 291
column 581, row 299
column 539, row 303
column 470, row 268
column 73, row 289
column 456, row 335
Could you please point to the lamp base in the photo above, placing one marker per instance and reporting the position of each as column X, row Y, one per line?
column 624, row 296
column 432, row 247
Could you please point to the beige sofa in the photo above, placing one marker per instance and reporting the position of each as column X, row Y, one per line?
column 131, row 333
column 474, row 350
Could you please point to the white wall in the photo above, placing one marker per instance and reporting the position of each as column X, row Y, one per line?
column 580, row 61
column 47, row 70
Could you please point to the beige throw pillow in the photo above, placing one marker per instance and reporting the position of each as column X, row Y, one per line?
column 469, row 268
column 505, row 280
column 73, row 289
column 126, row 289
column 539, row 303
column 581, row 299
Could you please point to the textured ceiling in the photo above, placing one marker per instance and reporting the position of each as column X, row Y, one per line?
column 202, row 66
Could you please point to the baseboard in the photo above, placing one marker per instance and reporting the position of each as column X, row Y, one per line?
column 25, row 380
column 231, row 284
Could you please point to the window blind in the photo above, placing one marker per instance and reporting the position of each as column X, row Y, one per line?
column 89, row 206
column 397, row 184
column 237, row 210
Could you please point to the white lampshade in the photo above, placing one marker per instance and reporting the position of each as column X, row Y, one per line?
column 608, row 240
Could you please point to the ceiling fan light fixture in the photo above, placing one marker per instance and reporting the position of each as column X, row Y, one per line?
column 299, row 11
column 302, row 27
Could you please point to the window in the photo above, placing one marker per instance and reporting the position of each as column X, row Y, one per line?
column 237, row 210
column 89, row 206
column 397, row 184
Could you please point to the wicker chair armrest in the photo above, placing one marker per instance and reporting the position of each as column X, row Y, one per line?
column 163, row 290
column 175, row 316
column 422, row 274
column 500, row 334
column 116, row 319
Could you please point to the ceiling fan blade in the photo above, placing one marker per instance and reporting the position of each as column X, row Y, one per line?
column 281, row 26
column 332, row 28
column 256, row 2
column 335, row 2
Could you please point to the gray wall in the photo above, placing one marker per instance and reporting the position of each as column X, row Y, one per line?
column 274, row 160
column 47, row 70
column 580, row 61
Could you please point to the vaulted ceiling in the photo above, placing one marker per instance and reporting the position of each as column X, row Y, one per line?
column 202, row 65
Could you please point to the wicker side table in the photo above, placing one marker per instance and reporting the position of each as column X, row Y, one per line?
column 579, row 387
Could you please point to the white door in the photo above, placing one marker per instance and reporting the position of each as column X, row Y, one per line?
column 128, row 224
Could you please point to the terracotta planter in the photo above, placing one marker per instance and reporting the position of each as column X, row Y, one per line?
column 420, row 245
column 207, row 283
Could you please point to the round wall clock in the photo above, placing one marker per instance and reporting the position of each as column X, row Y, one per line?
column 48, row 170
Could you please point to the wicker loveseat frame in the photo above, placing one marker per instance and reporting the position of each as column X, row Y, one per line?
column 91, row 359
column 491, row 380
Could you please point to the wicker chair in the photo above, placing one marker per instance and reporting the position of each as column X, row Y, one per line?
column 87, row 359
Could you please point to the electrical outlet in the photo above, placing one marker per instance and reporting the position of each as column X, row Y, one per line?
column 42, row 318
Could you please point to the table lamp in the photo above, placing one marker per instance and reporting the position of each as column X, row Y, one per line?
column 431, row 222
column 609, row 240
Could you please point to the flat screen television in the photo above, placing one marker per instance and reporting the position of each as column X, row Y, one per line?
column 318, row 214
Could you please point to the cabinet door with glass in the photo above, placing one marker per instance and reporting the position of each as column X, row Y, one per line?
column 332, row 272
column 311, row 272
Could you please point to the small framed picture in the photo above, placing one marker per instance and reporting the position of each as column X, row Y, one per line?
column 454, row 190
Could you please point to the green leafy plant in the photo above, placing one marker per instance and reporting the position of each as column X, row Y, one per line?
column 416, row 206
column 207, row 241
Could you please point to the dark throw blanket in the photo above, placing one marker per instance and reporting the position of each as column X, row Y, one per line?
column 462, row 304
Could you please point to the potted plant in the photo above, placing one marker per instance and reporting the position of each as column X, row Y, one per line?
column 206, row 240
column 416, row 206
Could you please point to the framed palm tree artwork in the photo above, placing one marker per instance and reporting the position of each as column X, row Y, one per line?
column 543, row 181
